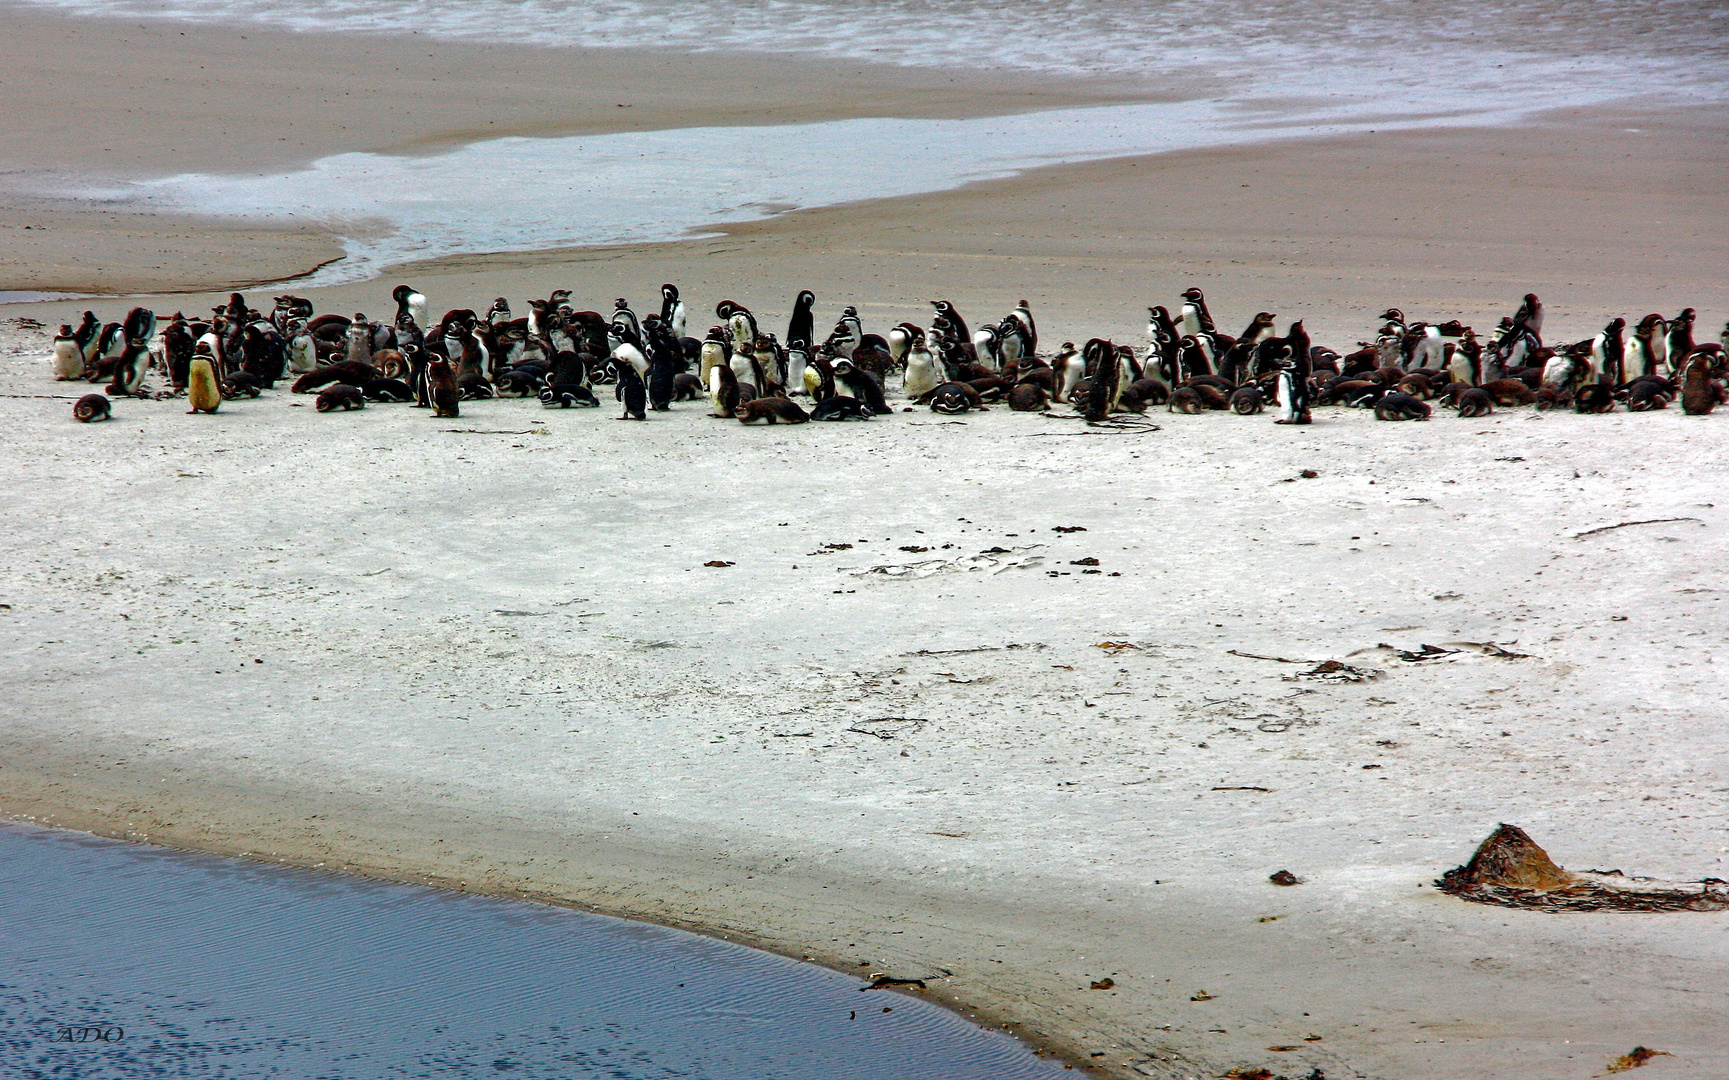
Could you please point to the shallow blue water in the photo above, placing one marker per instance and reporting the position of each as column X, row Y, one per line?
column 215, row 968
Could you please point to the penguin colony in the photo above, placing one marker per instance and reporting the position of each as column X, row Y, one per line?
column 560, row 356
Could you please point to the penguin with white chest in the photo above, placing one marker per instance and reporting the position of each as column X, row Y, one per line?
column 67, row 359
column 921, row 375
column 410, row 303
column 203, row 389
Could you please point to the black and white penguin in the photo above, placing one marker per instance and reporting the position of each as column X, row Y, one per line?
column 630, row 391
column 391, row 390
column 1293, row 384
column 86, row 334
column 129, row 370
column 1068, row 369
column 819, row 379
column 664, row 358
column 410, row 304
column 499, row 313
column 90, row 409
column 139, row 325
column 625, row 326
column 948, row 326
column 1678, row 341
column 568, row 396
column 1608, row 353
column 1163, row 344
column 1530, row 315
column 713, row 353
column 797, row 366
column 288, row 310
column 1103, row 379
column 1401, row 406
column 627, row 345
column 1022, row 316
column 840, row 407
column 109, row 345
column 672, row 311
column 848, row 333
column 1195, row 319
column 722, row 391
column 1649, row 347
column 988, row 347
column 900, row 339
column 863, row 386
column 801, row 327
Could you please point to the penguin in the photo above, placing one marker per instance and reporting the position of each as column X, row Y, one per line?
column 687, row 387
column 388, row 390
column 1028, row 330
column 203, row 392
column 950, row 327
column 672, row 311
column 1530, row 316
column 341, row 397
column 67, row 359
column 139, row 325
column 954, row 398
column 499, row 313
column 441, row 388
column 722, row 391
column 774, row 410
column 1609, row 352
column 625, row 326
column 628, row 347
column 664, row 356
column 840, row 407
column 129, row 370
column 770, row 376
column 1068, row 369
column 1466, row 364
column 109, row 345
column 568, row 396
column 1650, row 347
column 1247, row 400
column 1566, row 371
column 302, row 349
column 91, row 408
column 800, row 328
column 988, row 347
column 1015, row 342
column 713, row 354
column 1163, row 344
column 410, row 305
column 289, row 310
column 86, row 335
column 1398, row 406
column 863, row 386
column 819, row 379
column 629, row 389
column 1678, row 341
column 475, row 387
column 921, row 375
column 848, row 333
column 1699, row 392
column 1195, row 319
column 900, row 339
column 1027, row 397
column 1293, row 384
column 1105, row 379
column 797, row 368
column 1474, row 401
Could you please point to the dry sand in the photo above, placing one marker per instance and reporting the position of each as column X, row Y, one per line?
column 494, row 657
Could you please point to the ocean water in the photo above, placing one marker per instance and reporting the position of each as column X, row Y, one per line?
column 121, row 961
column 1242, row 71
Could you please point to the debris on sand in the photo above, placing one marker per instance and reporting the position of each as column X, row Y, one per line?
column 993, row 561
column 1511, row 870
column 1334, row 671
column 1285, row 877
column 1639, row 1056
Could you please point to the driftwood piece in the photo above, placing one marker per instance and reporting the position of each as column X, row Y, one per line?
column 1511, row 870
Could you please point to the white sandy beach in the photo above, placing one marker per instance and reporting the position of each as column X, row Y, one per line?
column 494, row 658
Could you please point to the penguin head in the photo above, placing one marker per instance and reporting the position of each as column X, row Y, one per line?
column 669, row 291
column 1193, row 294
column 806, row 297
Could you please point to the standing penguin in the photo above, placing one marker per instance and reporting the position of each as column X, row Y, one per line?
column 203, row 392
column 1195, row 318
column 1608, row 354
column 68, row 360
column 664, row 355
column 722, row 392
column 625, row 325
column 1649, row 347
column 1103, row 370
column 1163, row 344
column 1699, row 392
column 1678, row 341
column 672, row 312
column 921, row 372
column 1293, row 386
column 442, row 389
column 801, row 328
column 410, row 304
column 629, row 389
